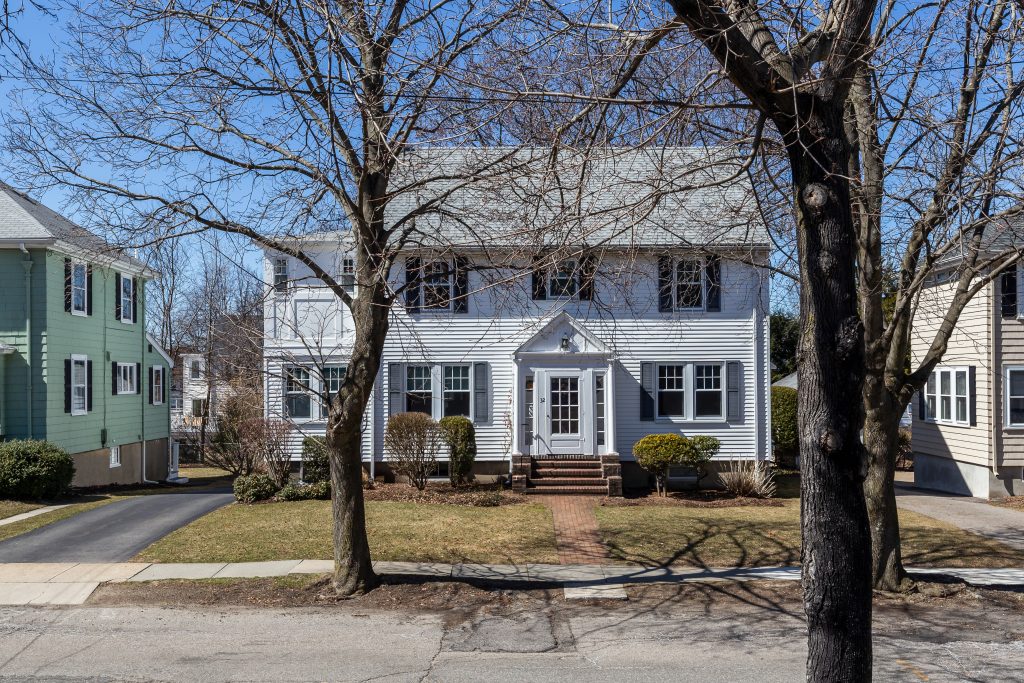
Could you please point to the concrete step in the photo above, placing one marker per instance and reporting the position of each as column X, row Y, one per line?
column 546, row 463
column 544, row 472
column 548, row 482
column 567, row 490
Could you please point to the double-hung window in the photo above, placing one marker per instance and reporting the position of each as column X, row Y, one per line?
column 79, row 385
column 456, row 396
column 79, row 289
column 127, row 378
column 708, row 392
column 332, row 377
column 280, row 275
column 348, row 274
column 437, row 285
column 689, row 284
column 564, row 281
column 157, row 388
column 1015, row 397
column 199, row 407
column 947, row 396
column 671, row 390
column 297, row 399
column 196, row 369
column 115, row 456
column 127, row 300
column 419, row 393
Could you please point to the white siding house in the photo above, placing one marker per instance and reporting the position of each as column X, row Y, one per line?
column 653, row 321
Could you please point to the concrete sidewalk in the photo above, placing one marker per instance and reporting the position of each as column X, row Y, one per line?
column 52, row 583
column 975, row 515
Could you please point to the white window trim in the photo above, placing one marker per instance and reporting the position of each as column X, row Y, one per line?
column 685, row 392
column 85, row 288
column 439, row 405
column 158, row 396
column 280, row 286
column 437, row 387
column 424, row 308
column 177, row 403
column 1006, row 396
column 127, row 316
column 348, row 274
column 84, row 360
column 722, row 390
column 191, row 370
column 322, row 386
column 703, row 266
column 689, row 393
column 577, row 280
column 132, row 374
column 309, row 391
column 115, row 456
column 952, row 421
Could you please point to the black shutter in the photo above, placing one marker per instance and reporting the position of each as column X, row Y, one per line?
column 163, row 385
column 149, row 391
column 117, row 296
column 538, row 283
column 713, row 276
column 972, row 399
column 67, row 385
column 396, row 393
column 665, row 284
column 113, row 379
column 481, row 392
column 67, row 285
column 1009, row 293
column 135, row 299
column 88, row 386
column 921, row 415
column 413, row 284
column 138, row 378
column 460, row 303
column 647, row 392
column 734, row 392
column 88, row 290
column 588, row 270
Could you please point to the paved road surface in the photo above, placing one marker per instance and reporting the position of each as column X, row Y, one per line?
column 114, row 532
column 595, row 644
column 971, row 514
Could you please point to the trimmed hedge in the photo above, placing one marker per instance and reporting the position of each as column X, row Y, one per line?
column 320, row 490
column 460, row 436
column 34, row 470
column 254, row 488
column 656, row 453
column 316, row 463
column 785, row 438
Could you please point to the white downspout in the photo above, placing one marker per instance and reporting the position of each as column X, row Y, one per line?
column 27, row 265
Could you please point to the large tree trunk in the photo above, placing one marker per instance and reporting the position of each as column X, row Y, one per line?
column 881, row 434
column 836, row 549
column 353, row 571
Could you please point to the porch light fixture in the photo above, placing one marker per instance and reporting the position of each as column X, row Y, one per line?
column 565, row 342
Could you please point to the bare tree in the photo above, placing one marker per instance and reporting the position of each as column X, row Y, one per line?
column 303, row 109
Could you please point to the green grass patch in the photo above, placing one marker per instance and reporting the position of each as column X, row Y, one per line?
column 768, row 536
column 417, row 532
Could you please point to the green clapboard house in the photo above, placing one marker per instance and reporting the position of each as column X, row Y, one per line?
column 76, row 365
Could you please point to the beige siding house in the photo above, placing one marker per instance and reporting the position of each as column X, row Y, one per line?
column 968, row 429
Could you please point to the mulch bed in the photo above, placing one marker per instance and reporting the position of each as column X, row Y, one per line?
column 446, row 494
column 702, row 498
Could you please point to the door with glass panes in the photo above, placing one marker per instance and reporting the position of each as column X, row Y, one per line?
column 563, row 412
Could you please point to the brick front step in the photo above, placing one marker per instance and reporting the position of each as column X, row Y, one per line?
column 566, row 490
column 544, row 472
column 548, row 482
column 569, row 464
column 566, row 459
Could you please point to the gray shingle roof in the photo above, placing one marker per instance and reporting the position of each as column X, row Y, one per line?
column 24, row 219
column 505, row 197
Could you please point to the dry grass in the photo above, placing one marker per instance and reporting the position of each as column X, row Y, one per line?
column 398, row 531
column 768, row 536
column 9, row 508
column 1012, row 502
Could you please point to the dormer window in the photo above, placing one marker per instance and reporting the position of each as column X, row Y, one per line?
column 436, row 285
column 280, row 275
column 689, row 283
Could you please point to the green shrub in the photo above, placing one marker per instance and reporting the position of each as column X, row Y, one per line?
column 320, row 490
column 34, row 470
column 656, row 453
column 460, row 436
column 785, row 438
column 700, row 448
column 316, row 462
column 254, row 487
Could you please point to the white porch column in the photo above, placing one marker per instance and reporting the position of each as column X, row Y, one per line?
column 611, row 446
column 516, row 399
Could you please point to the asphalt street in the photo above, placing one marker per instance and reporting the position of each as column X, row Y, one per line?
column 114, row 532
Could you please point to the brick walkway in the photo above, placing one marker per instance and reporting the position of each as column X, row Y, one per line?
column 576, row 531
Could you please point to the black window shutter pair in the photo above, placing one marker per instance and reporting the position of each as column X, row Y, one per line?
column 733, row 391
column 712, row 279
column 1009, row 292
column 68, row 278
column 67, row 385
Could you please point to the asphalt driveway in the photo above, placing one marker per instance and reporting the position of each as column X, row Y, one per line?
column 115, row 532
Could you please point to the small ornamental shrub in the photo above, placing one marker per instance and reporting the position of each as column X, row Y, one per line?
column 700, row 449
column 656, row 453
column 785, row 439
column 749, row 479
column 35, row 470
column 412, row 442
column 253, row 488
column 320, row 490
column 316, row 463
column 460, row 436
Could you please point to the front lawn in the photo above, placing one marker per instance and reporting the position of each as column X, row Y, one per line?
column 9, row 508
column 419, row 532
column 757, row 536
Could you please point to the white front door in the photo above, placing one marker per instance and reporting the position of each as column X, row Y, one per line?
column 565, row 414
